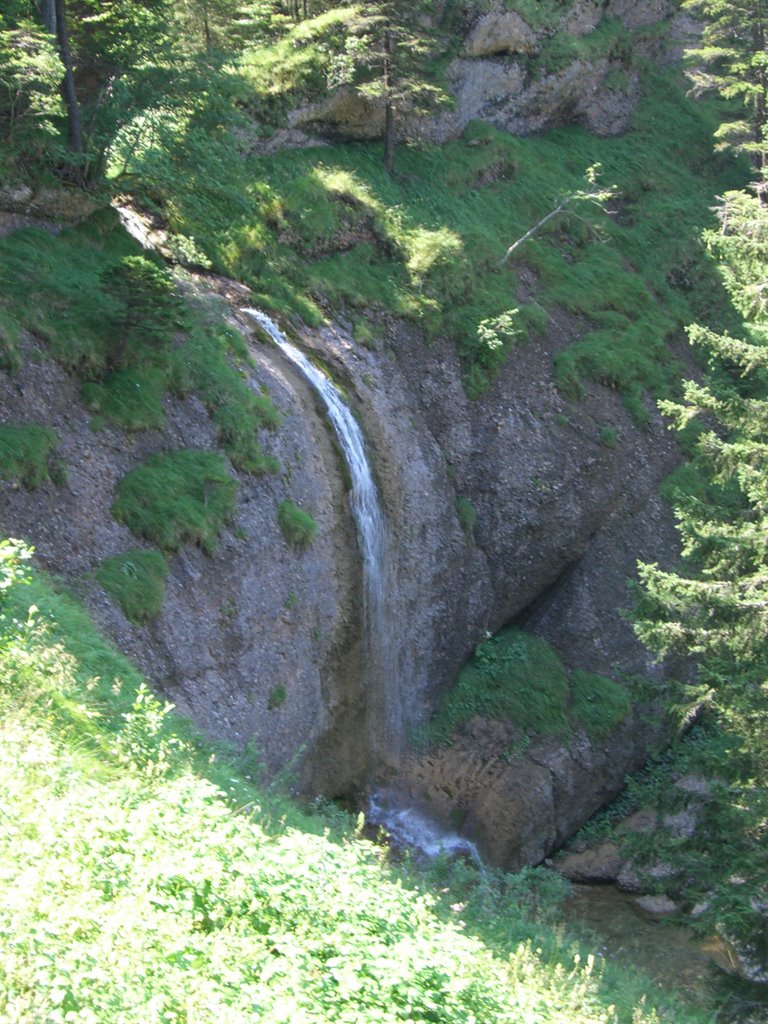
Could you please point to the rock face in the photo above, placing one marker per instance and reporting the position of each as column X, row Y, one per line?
column 500, row 32
column 560, row 522
column 236, row 628
column 493, row 79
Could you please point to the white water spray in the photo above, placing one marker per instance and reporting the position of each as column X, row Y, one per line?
column 414, row 829
column 371, row 530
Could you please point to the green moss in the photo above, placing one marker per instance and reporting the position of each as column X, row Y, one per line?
column 598, row 703
column 177, row 498
column 298, row 526
column 136, row 580
column 27, row 455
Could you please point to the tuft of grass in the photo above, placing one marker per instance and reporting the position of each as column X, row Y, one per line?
column 136, row 580
column 517, row 677
column 27, row 455
column 609, row 436
column 177, row 498
column 131, row 398
column 598, row 704
column 277, row 696
column 467, row 514
column 298, row 526
column 512, row 676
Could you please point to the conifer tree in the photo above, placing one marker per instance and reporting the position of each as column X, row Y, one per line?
column 716, row 606
column 732, row 59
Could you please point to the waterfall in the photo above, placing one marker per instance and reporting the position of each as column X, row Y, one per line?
column 371, row 531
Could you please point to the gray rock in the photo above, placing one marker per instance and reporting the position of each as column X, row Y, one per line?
column 500, row 32
column 656, row 906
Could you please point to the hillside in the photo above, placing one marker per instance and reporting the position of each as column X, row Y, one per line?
column 356, row 174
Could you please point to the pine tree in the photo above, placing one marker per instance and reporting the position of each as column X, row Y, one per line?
column 716, row 608
column 732, row 59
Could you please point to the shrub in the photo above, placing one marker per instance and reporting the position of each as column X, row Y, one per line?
column 136, row 579
column 177, row 498
column 26, row 455
column 298, row 526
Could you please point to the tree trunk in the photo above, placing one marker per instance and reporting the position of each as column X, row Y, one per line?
column 70, row 96
column 48, row 15
column 389, row 113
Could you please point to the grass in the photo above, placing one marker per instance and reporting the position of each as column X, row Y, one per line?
column 298, row 527
column 146, row 879
column 517, row 677
column 177, row 498
column 598, row 703
column 27, row 455
column 136, row 580
column 467, row 514
column 57, row 289
column 322, row 229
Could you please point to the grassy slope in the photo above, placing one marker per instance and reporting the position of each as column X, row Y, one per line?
column 146, row 878
column 317, row 229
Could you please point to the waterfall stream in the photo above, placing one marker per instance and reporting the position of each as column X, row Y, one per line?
column 372, row 535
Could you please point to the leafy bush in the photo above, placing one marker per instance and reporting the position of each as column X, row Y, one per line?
column 136, row 579
column 298, row 526
column 26, row 455
column 177, row 498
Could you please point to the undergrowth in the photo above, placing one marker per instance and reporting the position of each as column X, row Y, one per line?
column 176, row 498
column 145, row 878
column 518, row 678
column 136, row 579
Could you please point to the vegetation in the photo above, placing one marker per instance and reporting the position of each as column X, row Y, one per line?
column 146, row 879
column 731, row 59
column 715, row 607
column 467, row 514
column 518, row 678
column 71, row 292
column 177, row 498
column 136, row 579
column 298, row 526
column 27, row 455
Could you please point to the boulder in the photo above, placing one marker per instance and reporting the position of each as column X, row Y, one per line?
column 656, row 906
column 598, row 864
column 500, row 32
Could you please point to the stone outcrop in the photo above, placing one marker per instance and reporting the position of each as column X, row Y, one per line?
column 494, row 78
column 500, row 32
